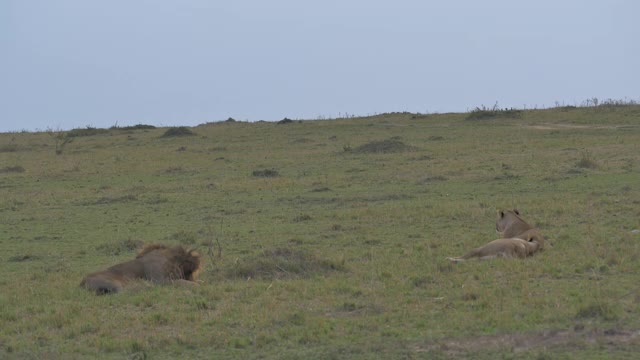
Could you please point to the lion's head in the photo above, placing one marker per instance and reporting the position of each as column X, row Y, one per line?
column 510, row 224
column 170, row 262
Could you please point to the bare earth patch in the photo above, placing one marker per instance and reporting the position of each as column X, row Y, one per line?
column 523, row 342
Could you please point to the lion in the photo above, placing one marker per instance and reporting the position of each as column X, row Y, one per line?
column 510, row 225
column 519, row 239
column 157, row 263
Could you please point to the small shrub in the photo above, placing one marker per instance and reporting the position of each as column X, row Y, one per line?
column 265, row 173
column 483, row 113
column 430, row 179
column 21, row 258
column 8, row 148
column 178, row 131
column 383, row 146
column 116, row 199
column 300, row 218
column 506, row 176
column 445, row 267
column 423, row 281
column 285, row 121
column 591, row 311
column 174, row 170
column 586, row 162
column 12, row 169
column 321, row 189
column 470, row 296
column 134, row 127
column 88, row 131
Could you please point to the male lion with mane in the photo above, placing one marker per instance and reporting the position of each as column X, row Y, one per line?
column 159, row 264
column 519, row 239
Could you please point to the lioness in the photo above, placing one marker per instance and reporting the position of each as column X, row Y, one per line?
column 156, row 263
column 510, row 225
column 519, row 239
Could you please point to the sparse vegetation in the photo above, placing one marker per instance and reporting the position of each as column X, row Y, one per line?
column 483, row 113
column 281, row 263
column 8, row 148
column 586, row 161
column 88, row 131
column 12, row 169
column 134, row 127
column 285, row 121
column 265, row 173
column 120, row 247
column 382, row 146
column 185, row 237
column 595, row 310
column 328, row 253
column 21, row 258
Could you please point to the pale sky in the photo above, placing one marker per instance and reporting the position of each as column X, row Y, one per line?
column 74, row 63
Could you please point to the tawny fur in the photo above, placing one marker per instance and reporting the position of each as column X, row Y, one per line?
column 156, row 263
column 519, row 239
column 504, row 248
column 510, row 224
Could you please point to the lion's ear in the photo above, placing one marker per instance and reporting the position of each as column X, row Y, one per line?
column 501, row 213
column 516, row 211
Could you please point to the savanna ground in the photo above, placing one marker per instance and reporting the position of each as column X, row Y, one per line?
column 328, row 239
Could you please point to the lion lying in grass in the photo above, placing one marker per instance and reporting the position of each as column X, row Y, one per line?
column 159, row 264
column 519, row 239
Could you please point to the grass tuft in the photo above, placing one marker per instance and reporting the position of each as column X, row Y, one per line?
column 134, row 127
column 383, row 146
column 603, row 311
column 586, row 161
column 88, row 131
column 12, row 169
column 21, row 258
column 8, row 148
column 105, row 200
column 265, row 173
column 185, row 237
column 484, row 113
column 301, row 218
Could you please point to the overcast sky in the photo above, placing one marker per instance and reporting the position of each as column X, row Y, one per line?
column 74, row 63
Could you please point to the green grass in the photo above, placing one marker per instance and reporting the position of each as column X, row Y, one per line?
column 328, row 239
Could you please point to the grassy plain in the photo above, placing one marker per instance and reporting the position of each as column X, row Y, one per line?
column 333, row 238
